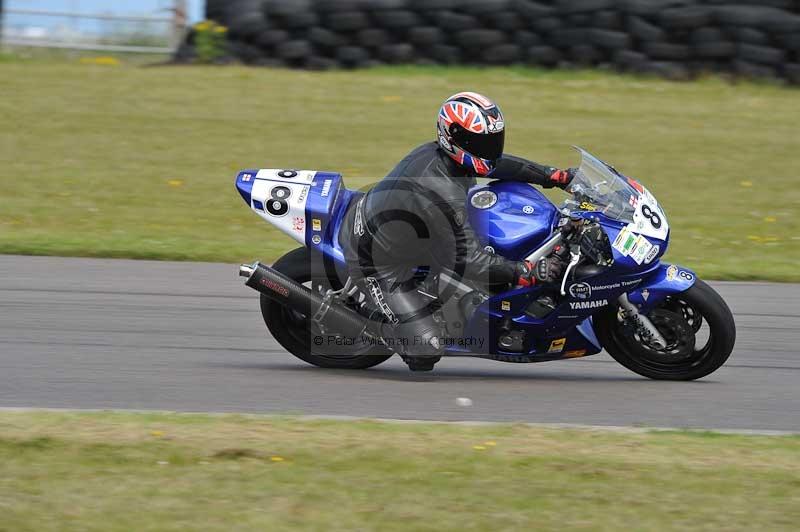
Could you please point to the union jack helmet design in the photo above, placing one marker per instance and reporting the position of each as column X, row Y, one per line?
column 471, row 130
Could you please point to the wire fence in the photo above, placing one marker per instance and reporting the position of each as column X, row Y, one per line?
column 159, row 33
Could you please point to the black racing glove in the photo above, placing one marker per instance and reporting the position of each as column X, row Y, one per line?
column 546, row 270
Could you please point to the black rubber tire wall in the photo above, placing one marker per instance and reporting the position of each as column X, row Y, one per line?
column 752, row 38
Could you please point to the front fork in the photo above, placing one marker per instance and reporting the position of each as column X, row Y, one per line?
column 647, row 331
column 666, row 280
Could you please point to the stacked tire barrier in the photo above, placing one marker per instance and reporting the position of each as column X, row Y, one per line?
column 673, row 38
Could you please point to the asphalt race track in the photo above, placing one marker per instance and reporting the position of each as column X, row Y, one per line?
column 87, row 333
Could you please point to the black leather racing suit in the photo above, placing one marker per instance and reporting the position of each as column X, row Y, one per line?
column 415, row 220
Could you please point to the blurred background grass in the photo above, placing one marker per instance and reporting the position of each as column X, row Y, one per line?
column 125, row 161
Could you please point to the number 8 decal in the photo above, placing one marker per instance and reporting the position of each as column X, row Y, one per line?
column 278, row 204
column 653, row 217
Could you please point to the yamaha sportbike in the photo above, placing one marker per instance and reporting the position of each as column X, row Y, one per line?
column 658, row 320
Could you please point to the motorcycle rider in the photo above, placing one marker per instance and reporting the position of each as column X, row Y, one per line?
column 413, row 223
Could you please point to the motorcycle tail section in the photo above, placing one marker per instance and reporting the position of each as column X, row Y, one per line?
column 305, row 204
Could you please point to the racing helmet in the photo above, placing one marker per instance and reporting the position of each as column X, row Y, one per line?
column 471, row 130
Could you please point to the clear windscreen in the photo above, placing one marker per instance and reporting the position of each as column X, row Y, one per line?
column 597, row 186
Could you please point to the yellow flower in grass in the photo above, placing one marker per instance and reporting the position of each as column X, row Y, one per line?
column 220, row 29
column 202, row 26
column 103, row 60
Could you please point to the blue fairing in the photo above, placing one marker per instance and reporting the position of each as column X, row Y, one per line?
column 520, row 220
column 244, row 184
column 327, row 202
column 666, row 280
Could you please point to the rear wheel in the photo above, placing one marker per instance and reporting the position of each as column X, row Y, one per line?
column 300, row 335
column 697, row 325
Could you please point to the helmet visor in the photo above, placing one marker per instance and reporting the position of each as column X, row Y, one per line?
column 484, row 145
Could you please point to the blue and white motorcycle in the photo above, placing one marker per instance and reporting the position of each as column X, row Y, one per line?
column 658, row 320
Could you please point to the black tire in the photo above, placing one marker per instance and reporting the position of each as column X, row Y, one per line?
column 347, row 21
column 316, row 62
column 707, row 35
column 425, row 36
column 301, row 20
column 296, row 49
column 325, row 38
column 699, row 300
column 746, row 69
column 373, row 37
column 433, row 5
column 352, row 56
column 651, row 7
column 384, row 5
column 530, row 10
column 764, row 55
column 583, row 6
column 502, row 54
column 750, row 36
column 570, row 37
column 610, row 40
column 526, row 39
column 247, row 26
column 397, row 19
column 451, row 21
column 608, row 20
column 791, row 41
column 286, row 7
column 675, row 71
column 628, row 60
column 584, row 55
column 685, row 17
column 247, row 53
column 445, row 54
column 792, row 73
column 715, row 50
column 546, row 24
column 479, row 39
column 506, row 21
column 396, row 53
column 483, row 7
column 335, row 6
column 666, row 50
column 272, row 37
column 543, row 55
column 644, row 31
column 293, row 331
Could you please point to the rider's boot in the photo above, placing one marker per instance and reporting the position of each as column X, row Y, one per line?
column 417, row 363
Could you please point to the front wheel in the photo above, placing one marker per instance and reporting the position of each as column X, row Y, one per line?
column 697, row 325
column 300, row 336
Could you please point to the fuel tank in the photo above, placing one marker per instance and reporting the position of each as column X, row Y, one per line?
column 512, row 218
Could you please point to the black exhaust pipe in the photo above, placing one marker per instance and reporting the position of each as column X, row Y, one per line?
column 289, row 293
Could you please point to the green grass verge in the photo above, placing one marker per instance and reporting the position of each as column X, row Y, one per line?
column 117, row 471
column 124, row 161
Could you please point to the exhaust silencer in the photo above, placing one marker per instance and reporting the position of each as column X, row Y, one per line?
column 291, row 294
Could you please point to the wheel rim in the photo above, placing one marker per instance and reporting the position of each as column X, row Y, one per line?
column 689, row 336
